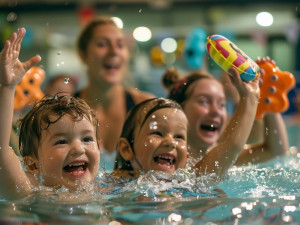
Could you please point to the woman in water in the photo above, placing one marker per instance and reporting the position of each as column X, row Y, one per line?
column 102, row 47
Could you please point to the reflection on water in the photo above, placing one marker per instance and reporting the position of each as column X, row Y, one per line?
column 267, row 193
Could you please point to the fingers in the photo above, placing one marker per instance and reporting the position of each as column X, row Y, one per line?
column 5, row 49
column 257, row 77
column 11, row 42
column 31, row 62
column 20, row 35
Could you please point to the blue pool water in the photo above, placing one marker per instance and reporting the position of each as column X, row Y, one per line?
column 268, row 193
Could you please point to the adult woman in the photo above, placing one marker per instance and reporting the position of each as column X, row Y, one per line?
column 204, row 103
column 102, row 48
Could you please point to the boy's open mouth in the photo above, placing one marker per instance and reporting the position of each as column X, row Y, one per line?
column 76, row 168
column 165, row 159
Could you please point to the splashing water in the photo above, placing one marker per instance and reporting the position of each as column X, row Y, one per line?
column 265, row 193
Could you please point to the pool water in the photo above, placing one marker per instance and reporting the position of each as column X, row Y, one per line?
column 268, row 193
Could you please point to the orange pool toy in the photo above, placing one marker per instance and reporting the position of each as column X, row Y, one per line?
column 274, row 86
column 28, row 90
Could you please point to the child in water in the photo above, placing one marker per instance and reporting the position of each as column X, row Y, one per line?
column 154, row 136
column 58, row 137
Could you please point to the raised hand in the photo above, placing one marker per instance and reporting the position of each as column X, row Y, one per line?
column 11, row 68
column 245, row 87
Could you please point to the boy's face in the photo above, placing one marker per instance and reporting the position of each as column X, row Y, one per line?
column 68, row 153
column 160, row 144
column 206, row 112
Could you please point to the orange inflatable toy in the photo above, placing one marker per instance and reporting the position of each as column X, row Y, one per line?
column 28, row 90
column 274, row 86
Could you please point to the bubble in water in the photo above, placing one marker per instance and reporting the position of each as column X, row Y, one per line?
column 174, row 217
column 51, row 158
column 140, row 10
column 66, row 80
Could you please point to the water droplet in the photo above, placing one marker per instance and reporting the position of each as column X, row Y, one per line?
column 216, row 163
column 51, row 158
column 140, row 10
column 66, row 80
column 11, row 17
column 59, row 52
column 153, row 125
column 165, row 117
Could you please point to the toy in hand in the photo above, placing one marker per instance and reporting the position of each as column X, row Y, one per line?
column 28, row 90
column 227, row 55
column 274, row 86
column 194, row 48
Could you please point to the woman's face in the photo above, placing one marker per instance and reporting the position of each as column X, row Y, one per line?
column 206, row 112
column 107, row 54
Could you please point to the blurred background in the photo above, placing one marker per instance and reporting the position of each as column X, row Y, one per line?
column 258, row 27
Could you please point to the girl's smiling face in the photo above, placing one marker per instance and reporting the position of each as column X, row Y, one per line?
column 68, row 153
column 161, row 142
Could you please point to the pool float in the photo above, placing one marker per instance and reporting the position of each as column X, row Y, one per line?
column 28, row 90
column 227, row 55
column 274, row 86
column 194, row 48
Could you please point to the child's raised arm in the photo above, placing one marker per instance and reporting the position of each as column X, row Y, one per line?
column 221, row 156
column 13, row 182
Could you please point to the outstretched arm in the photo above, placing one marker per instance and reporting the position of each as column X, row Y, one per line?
column 222, row 155
column 13, row 183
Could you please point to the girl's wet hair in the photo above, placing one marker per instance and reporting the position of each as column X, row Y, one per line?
column 178, row 86
column 86, row 34
column 136, row 118
column 48, row 111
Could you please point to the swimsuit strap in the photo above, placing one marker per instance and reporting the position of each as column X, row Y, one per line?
column 129, row 101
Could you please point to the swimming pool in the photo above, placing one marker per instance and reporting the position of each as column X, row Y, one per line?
column 268, row 193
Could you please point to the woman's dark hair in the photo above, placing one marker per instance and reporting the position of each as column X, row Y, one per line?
column 178, row 86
